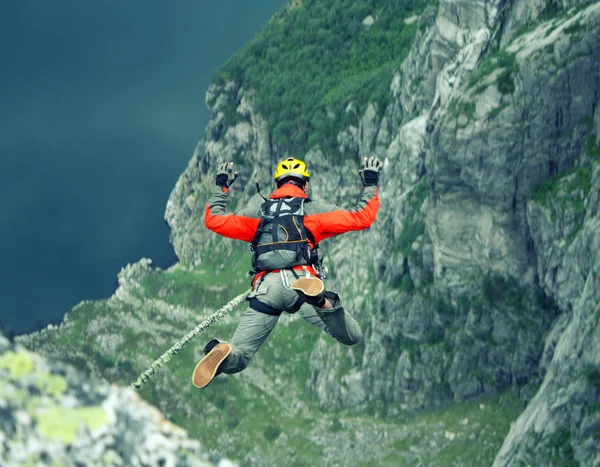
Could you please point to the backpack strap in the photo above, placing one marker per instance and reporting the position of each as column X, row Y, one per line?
column 260, row 230
column 277, row 211
column 314, row 259
column 261, row 195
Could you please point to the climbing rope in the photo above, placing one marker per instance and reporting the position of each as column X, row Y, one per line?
column 164, row 358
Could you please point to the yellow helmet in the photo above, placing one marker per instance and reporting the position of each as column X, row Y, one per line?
column 291, row 167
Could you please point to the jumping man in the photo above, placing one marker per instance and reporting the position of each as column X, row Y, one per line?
column 284, row 234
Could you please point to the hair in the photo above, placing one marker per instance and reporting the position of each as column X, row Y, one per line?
column 292, row 181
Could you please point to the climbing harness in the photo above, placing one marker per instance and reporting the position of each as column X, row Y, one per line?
column 284, row 279
column 164, row 358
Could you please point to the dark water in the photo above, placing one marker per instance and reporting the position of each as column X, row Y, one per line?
column 101, row 107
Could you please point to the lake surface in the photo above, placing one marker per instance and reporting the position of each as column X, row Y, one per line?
column 101, row 107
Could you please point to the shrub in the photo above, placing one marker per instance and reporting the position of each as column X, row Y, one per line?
column 316, row 57
column 410, row 232
column 495, row 112
column 501, row 59
column 505, row 82
column 272, row 432
column 592, row 374
column 591, row 149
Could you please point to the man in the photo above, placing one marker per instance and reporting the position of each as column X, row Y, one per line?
column 284, row 235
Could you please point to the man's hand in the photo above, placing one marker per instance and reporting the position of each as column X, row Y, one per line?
column 369, row 171
column 225, row 175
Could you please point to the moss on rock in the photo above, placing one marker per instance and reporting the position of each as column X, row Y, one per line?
column 53, row 385
column 18, row 364
column 62, row 423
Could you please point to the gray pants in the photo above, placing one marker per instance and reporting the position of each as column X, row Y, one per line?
column 255, row 326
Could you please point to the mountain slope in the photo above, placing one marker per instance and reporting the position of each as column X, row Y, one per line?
column 479, row 276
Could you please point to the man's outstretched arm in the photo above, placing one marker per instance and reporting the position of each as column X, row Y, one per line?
column 330, row 220
column 216, row 217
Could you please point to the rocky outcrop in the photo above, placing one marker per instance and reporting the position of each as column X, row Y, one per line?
column 500, row 136
column 54, row 415
column 562, row 422
column 235, row 132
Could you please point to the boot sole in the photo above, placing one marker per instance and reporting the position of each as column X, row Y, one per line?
column 207, row 367
column 311, row 286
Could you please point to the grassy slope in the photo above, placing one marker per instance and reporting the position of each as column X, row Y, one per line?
column 315, row 57
column 264, row 415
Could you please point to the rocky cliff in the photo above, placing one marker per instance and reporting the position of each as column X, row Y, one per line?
column 481, row 265
column 480, row 274
column 54, row 415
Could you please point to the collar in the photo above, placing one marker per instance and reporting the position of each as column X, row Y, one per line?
column 288, row 191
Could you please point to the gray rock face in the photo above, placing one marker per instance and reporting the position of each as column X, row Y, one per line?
column 468, row 266
column 235, row 133
column 53, row 415
column 466, row 269
column 492, row 161
column 562, row 422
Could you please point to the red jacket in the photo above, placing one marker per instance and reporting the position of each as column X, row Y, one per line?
column 322, row 220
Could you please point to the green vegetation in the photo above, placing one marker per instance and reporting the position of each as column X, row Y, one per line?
column 405, row 283
column 458, row 107
column 553, row 449
column 315, row 57
column 418, row 195
column 501, row 291
column 443, row 307
column 495, row 112
column 414, row 225
column 480, row 89
column 410, row 232
column 575, row 28
column 272, row 432
column 188, row 288
column 62, row 423
column 505, row 82
column 306, row 66
column 592, row 374
column 553, row 13
column 336, row 425
column 577, row 178
column 53, row 385
column 239, row 412
column 18, row 364
column 591, row 149
column 463, row 433
column 501, row 59
column 565, row 192
column 506, row 290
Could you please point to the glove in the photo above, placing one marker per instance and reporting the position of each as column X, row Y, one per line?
column 225, row 175
column 369, row 171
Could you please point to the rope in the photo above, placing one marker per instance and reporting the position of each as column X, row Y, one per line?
column 168, row 355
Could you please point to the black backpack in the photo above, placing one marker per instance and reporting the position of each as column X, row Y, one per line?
column 281, row 240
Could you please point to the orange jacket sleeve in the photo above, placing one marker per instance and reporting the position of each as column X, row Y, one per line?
column 328, row 221
column 236, row 226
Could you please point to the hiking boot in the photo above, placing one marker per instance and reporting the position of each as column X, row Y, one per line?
column 208, row 367
column 311, row 290
column 211, row 344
